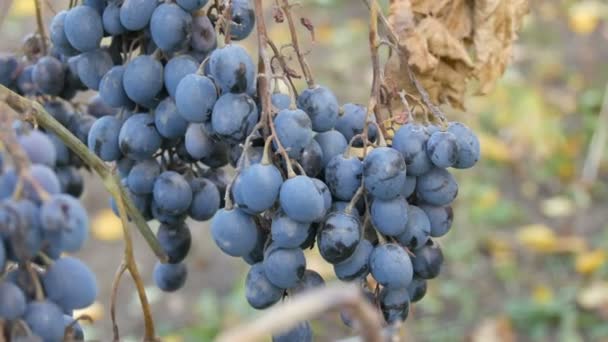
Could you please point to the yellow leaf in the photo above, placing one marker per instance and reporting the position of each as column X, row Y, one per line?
column 588, row 262
column 558, row 206
column 583, row 17
column 542, row 294
column 95, row 311
column 594, row 297
column 537, row 237
column 106, row 226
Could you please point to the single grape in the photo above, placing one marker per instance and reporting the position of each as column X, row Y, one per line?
column 384, row 173
column 294, row 130
column 468, row 145
column 442, row 149
column 234, row 117
column 172, row 193
column 135, row 14
column 310, row 280
column 80, row 125
column 170, row 277
column 339, row 237
column 220, row 155
column 138, row 138
column 49, row 75
column 142, row 176
column 300, row 333
column 259, row 187
column 205, row 199
column 92, row 66
column 69, row 283
column 143, row 78
column 257, row 253
column 395, row 304
column 45, row 178
column 259, row 291
column 176, row 69
column 160, row 215
column 45, row 319
column 58, row 35
column 391, row 266
column 198, row 143
column 440, row 218
column 409, row 186
column 169, row 123
column 234, row 232
column 301, row 199
column 352, row 122
column 83, row 28
column 343, row 176
column 332, row 144
column 284, row 267
column 427, row 261
column 25, row 81
column 170, row 27
column 390, row 217
column 357, row 265
column 195, row 97
column 288, row 233
column 417, row 289
column 327, row 199
column 124, row 166
column 321, row 106
column 311, row 159
column 280, row 101
column 243, row 19
column 418, row 229
column 437, row 187
column 38, row 147
column 8, row 70
column 103, row 138
column 59, row 111
column 65, row 214
column 175, row 241
column 111, row 20
column 233, row 69
column 204, row 38
column 12, row 300
column 97, row 108
column 112, row 90
column 410, row 139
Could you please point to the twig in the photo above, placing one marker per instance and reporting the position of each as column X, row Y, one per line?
column 286, row 7
column 121, row 270
column 597, row 145
column 306, row 306
column 40, row 24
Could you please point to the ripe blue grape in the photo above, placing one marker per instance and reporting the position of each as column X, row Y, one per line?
column 468, row 145
column 142, row 176
column 280, row 101
column 417, row 289
column 352, row 122
column 204, row 38
column 138, row 138
column 170, row 277
column 71, row 180
column 437, row 187
column 357, row 265
column 338, row 237
column 111, row 20
column 46, row 178
column 395, row 304
column 243, row 19
column 83, row 28
column 310, row 280
column 92, row 66
column 49, row 75
column 294, row 130
column 8, row 70
column 391, row 266
column 195, row 97
column 12, row 300
column 259, row 187
column 205, row 199
column 288, row 233
column 390, row 217
column 311, row 159
column 112, row 90
column 301, row 199
column 284, row 267
column 176, row 69
column 259, row 291
column 38, row 147
column 234, row 116
column 427, row 261
column 233, row 69
column 409, row 187
column 442, row 148
column 143, row 79
column 192, row 5
column 343, row 176
column 332, row 144
column 97, row 108
column 69, row 283
column 25, row 81
column 410, row 139
column 58, row 36
column 59, row 111
column 198, row 142
column 98, row 5
column 440, row 218
column 172, row 193
column 300, row 333
column 175, row 241
column 321, row 105
column 45, row 319
column 234, row 232
column 169, row 123
column 135, row 14
column 418, row 229
column 65, row 214
column 103, row 138
column 170, row 27
column 384, row 173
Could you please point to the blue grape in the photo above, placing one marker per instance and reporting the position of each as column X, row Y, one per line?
column 321, row 105
column 83, row 28
column 75, row 329
column 195, row 97
column 160, row 215
column 80, row 125
column 260, row 185
column 142, row 176
column 284, row 267
column 172, row 193
column 168, row 121
column 357, row 265
column 69, row 283
column 26, row 242
column 92, row 66
column 253, row 155
column 410, row 139
column 234, row 232
column 427, row 261
column 192, row 5
column 12, row 300
column 135, row 14
column 390, row 217
column 220, row 155
column 332, row 144
column 327, row 199
column 25, row 81
column 97, row 108
column 341, row 206
column 300, row 333
column 257, row 253
column 175, row 241
column 418, row 229
column 58, row 110
column 440, row 218
column 205, row 199
column 234, row 116
column 111, row 20
column 204, row 38
column 310, row 280
column 8, row 70
column 46, row 178
column 45, row 319
column 468, row 145
column 103, row 138
column 71, row 181
column 437, row 187
column 287, row 233
column 280, row 101
column 409, row 186
column 143, row 79
column 39, row 148
column 301, row 199
column 391, row 266
column 170, row 27
column 138, row 138
column 259, row 291
column 49, row 75
column 339, row 237
column 311, row 159
column 343, row 176
column 294, row 130
column 98, row 5
column 352, row 122
column 417, row 289
column 198, row 142
column 112, row 90
column 395, row 304
column 384, row 173
column 243, row 19
column 170, row 277
column 442, row 148
column 124, row 166
column 65, row 214
column 232, row 69
column 58, row 35
column 176, row 69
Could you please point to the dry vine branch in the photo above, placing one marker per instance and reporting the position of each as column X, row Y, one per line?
column 308, row 305
column 286, row 8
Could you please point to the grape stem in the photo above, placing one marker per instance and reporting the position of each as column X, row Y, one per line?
column 227, row 18
column 284, row 67
column 121, row 270
column 308, row 305
column 286, row 8
column 40, row 24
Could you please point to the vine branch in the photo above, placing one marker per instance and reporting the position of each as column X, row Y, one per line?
column 286, row 8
